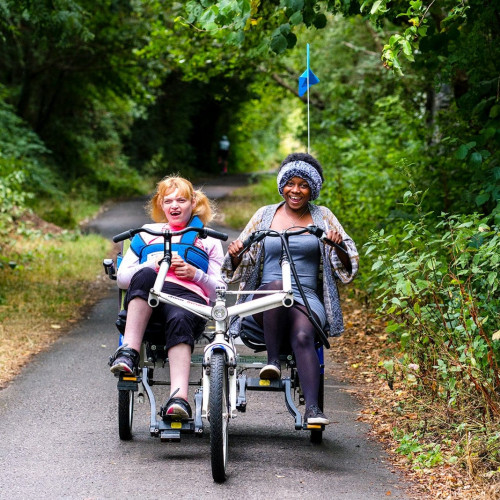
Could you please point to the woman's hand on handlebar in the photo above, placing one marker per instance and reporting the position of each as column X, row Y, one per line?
column 234, row 248
column 334, row 236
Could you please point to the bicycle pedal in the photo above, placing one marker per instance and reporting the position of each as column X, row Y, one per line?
column 314, row 426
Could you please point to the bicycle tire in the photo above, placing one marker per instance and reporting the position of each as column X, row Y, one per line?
column 219, row 416
column 125, row 414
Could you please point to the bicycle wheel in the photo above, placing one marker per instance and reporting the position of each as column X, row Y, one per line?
column 218, row 406
column 125, row 414
column 317, row 435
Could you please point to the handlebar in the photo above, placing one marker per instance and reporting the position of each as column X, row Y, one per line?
column 203, row 232
column 284, row 235
column 314, row 230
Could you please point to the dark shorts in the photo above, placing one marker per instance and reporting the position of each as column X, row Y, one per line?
column 180, row 326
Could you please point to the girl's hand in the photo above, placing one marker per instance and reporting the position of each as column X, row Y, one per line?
column 182, row 269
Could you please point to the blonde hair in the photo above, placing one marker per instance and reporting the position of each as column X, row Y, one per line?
column 203, row 207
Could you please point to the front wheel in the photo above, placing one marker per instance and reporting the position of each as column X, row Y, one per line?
column 125, row 414
column 218, row 406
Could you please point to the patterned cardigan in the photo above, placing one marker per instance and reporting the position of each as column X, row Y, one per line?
column 248, row 273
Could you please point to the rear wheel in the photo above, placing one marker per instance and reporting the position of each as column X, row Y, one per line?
column 219, row 416
column 125, row 414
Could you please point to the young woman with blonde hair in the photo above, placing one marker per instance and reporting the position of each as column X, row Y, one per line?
column 175, row 205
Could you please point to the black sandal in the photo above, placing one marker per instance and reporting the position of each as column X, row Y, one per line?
column 175, row 408
column 124, row 359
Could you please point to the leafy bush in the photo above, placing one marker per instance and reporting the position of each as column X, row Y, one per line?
column 440, row 288
column 20, row 151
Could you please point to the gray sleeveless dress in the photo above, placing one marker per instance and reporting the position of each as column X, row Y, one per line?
column 306, row 256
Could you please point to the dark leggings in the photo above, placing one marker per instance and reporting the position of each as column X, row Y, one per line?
column 282, row 324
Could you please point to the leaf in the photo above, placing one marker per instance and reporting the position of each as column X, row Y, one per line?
column 376, row 6
column 492, row 276
column 406, row 47
column 296, row 18
column 291, row 39
column 294, row 4
column 482, row 198
column 496, row 335
column 388, row 365
column 475, row 159
column 462, row 152
column 279, row 44
column 319, row 21
column 405, row 339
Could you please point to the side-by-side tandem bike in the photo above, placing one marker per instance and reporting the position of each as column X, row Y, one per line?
column 225, row 375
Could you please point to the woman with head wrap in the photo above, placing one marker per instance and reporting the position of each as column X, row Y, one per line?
column 299, row 180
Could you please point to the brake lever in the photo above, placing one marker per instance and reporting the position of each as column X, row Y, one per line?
column 321, row 235
column 253, row 238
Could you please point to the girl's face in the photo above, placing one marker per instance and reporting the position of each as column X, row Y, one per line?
column 178, row 209
column 296, row 193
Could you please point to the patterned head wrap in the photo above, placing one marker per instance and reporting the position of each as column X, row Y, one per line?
column 303, row 170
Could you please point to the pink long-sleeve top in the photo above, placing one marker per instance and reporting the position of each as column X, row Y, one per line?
column 203, row 284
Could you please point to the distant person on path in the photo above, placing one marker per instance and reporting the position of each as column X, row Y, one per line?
column 174, row 206
column 300, row 179
column 223, row 153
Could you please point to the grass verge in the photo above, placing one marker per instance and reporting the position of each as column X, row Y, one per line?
column 46, row 280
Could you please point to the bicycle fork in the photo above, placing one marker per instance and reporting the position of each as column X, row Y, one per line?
column 220, row 344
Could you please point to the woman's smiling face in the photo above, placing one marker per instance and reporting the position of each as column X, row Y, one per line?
column 178, row 209
column 296, row 193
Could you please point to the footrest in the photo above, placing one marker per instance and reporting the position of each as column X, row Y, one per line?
column 170, row 436
column 171, row 430
column 256, row 384
column 313, row 427
column 128, row 382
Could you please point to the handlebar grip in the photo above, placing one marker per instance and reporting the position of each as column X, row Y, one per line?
column 123, row 236
column 320, row 234
column 216, row 234
column 248, row 241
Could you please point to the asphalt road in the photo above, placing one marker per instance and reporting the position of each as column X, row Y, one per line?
column 59, row 436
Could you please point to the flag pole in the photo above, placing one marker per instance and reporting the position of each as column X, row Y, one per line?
column 308, row 122
column 307, row 78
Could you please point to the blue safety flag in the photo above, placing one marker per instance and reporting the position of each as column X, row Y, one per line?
column 307, row 75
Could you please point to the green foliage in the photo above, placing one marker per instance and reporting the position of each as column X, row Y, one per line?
column 20, row 168
column 421, row 455
column 440, row 288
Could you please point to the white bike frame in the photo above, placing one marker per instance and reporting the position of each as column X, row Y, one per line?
column 221, row 314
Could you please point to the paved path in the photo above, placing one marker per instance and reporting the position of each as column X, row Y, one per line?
column 59, row 436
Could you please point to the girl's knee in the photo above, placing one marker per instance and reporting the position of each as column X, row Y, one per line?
column 144, row 279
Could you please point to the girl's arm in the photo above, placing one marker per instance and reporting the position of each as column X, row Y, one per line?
column 210, row 280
